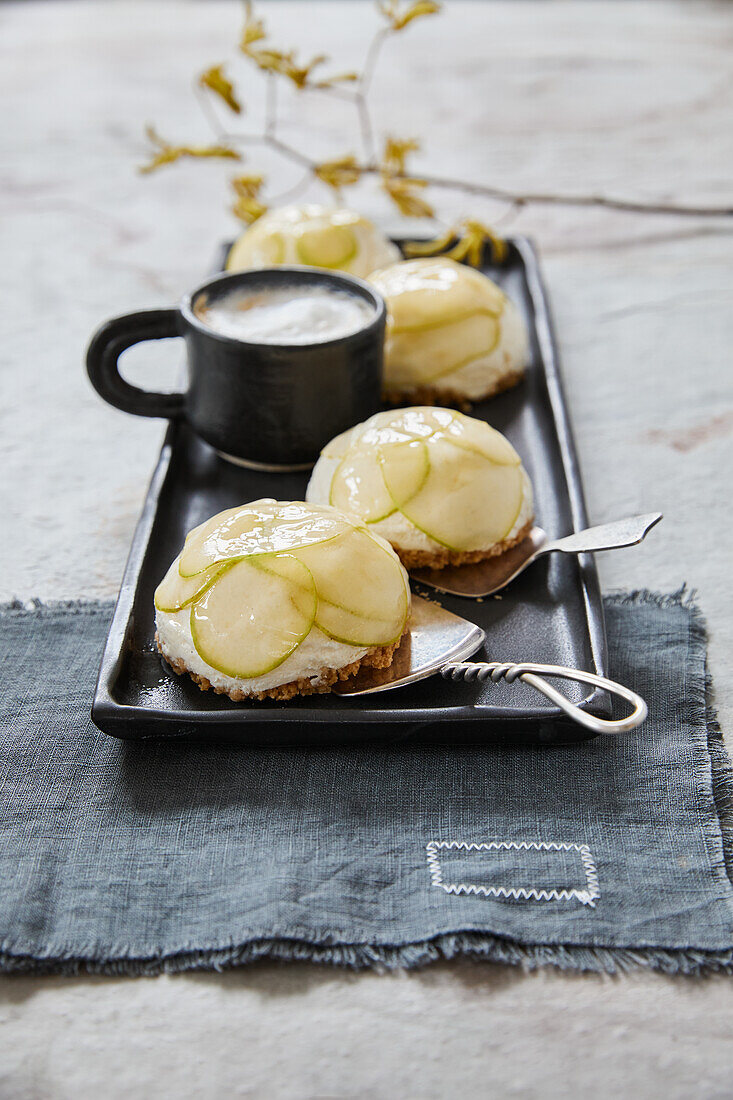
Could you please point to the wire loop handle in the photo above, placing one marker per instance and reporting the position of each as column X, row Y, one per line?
column 470, row 671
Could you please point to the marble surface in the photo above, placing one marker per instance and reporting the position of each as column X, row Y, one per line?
column 629, row 99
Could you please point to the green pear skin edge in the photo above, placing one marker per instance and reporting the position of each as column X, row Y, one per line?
column 197, row 594
column 249, row 674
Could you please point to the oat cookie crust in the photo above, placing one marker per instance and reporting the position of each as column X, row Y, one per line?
column 438, row 559
column 377, row 657
column 435, row 395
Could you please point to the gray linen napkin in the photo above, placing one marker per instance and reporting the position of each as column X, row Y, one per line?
column 141, row 857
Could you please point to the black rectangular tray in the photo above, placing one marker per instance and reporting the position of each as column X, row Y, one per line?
column 553, row 613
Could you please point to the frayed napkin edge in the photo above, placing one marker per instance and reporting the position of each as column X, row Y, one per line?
column 478, row 947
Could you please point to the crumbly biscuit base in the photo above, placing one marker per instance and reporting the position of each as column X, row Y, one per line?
column 439, row 559
column 435, row 395
column 377, row 657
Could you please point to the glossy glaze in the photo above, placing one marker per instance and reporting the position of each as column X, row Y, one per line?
column 426, row 477
column 448, row 322
column 254, row 582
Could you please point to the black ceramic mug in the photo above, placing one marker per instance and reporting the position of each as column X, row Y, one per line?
column 270, row 406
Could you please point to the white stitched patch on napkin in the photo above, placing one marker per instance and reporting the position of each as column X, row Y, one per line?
column 503, row 868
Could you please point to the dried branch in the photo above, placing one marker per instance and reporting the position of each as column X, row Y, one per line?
column 342, row 172
column 544, row 198
column 404, row 187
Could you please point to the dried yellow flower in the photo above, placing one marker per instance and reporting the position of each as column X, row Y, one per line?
column 168, row 154
column 470, row 237
column 270, row 61
column 339, row 78
column 398, row 20
column 432, row 247
column 474, row 235
column 253, row 30
column 248, row 210
column 215, row 81
column 283, row 62
column 338, row 173
column 402, row 191
column 248, row 186
column 286, row 64
column 300, row 74
column 247, row 205
column 395, row 154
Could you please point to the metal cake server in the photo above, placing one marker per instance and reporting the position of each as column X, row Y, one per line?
column 492, row 574
column 440, row 642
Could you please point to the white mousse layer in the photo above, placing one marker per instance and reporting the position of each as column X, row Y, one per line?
column 396, row 528
column 314, row 653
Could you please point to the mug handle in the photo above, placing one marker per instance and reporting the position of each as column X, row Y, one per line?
column 103, row 354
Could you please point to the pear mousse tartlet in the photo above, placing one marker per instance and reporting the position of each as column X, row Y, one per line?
column 453, row 336
column 313, row 236
column 441, row 487
column 276, row 599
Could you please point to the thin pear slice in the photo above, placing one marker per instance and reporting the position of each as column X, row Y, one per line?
column 256, row 249
column 263, row 527
column 427, row 354
column 361, row 575
column 291, row 569
column 449, row 319
column 344, row 626
column 480, row 438
column 357, row 486
column 402, row 425
column 405, row 468
column 421, row 421
column 467, row 502
column 176, row 592
column 252, row 619
column 331, row 246
column 250, row 519
column 436, row 290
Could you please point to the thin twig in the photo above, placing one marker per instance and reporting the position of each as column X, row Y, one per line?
column 509, row 215
column 367, row 130
column 270, row 105
column 289, row 151
column 362, row 103
column 371, row 58
column 333, row 90
column 291, row 192
column 631, row 206
column 208, row 111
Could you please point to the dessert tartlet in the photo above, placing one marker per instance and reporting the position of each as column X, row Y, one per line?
column 453, row 337
column 441, row 487
column 314, row 236
column 276, row 599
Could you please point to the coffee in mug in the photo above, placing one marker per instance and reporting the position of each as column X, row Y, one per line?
column 285, row 315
